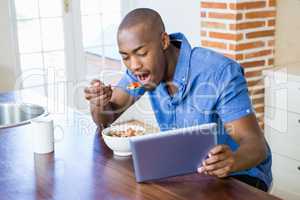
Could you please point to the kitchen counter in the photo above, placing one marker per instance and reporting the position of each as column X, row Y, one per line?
column 82, row 167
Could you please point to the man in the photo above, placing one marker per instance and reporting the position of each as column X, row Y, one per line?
column 187, row 87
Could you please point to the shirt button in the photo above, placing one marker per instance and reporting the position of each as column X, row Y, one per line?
column 174, row 103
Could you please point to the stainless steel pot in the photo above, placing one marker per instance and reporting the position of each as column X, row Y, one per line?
column 15, row 114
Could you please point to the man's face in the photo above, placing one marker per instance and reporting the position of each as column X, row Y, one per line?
column 143, row 55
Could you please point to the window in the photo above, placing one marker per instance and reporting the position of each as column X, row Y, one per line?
column 41, row 46
column 53, row 47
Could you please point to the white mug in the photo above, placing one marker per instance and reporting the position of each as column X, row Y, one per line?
column 42, row 130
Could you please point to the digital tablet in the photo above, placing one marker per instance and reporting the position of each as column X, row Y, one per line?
column 172, row 153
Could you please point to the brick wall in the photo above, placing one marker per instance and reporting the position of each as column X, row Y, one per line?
column 242, row 30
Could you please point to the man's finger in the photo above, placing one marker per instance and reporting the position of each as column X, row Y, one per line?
column 96, row 82
column 222, row 172
column 89, row 96
column 86, row 90
column 215, row 158
column 100, row 100
column 216, row 166
column 100, row 90
column 218, row 149
column 107, row 99
column 91, row 89
column 107, row 89
column 95, row 86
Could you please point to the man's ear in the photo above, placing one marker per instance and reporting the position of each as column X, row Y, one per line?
column 165, row 40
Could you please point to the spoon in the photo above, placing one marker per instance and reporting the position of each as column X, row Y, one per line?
column 134, row 86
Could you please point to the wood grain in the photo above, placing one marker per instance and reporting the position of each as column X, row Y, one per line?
column 82, row 167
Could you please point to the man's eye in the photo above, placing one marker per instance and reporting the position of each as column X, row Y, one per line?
column 143, row 54
column 125, row 58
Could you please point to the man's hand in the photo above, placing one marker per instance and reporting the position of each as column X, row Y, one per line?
column 98, row 94
column 220, row 162
column 106, row 105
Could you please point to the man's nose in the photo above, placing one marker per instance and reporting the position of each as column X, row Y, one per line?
column 136, row 65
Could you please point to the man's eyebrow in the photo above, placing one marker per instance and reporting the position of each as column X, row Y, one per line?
column 134, row 50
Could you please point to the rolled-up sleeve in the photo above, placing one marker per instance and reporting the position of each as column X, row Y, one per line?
column 233, row 100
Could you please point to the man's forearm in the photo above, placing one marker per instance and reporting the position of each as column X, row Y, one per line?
column 103, row 117
column 249, row 154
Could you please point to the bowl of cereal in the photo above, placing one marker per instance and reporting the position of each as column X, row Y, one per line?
column 116, row 137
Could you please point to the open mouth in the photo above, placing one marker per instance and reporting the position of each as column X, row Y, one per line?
column 144, row 77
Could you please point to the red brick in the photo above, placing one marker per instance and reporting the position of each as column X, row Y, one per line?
column 213, row 5
column 260, row 109
column 232, row 16
column 259, row 53
column 234, row 56
column 215, row 25
column 255, row 83
column 247, row 25
column 262, row 125
column 271, row 43
column 271, row 22
column 247, row 5
column 272, row 3
column 260, row 118
column 218, row 45
column 258, row 100
column 260, row 14
column 258, row 34
column 226, row 36
column 258, row 63
column 255, row 91
column 253, row 74
column 245, row 46
column 271, row 61
column 203, row 33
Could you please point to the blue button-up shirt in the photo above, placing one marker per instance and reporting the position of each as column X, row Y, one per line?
column 211, row 88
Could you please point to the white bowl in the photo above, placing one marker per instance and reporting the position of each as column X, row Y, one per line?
column 120, row 145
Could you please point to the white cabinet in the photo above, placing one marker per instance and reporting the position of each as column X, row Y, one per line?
column 283, row 132
column 282, row 129
column 286, row 177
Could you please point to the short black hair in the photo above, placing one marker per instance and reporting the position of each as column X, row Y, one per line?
column 147, row 16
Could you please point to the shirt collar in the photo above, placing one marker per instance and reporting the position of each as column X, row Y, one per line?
column 180, row 77
column 183, row 63
column 181, row 73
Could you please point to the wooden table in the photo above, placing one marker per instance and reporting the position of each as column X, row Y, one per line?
column 82, row 167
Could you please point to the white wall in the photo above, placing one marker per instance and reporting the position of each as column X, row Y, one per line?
column 7, row 58
column 179, row 16
column 287, row 33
